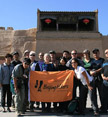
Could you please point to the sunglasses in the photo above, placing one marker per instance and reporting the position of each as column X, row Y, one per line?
column 32, row 55
column 106, row 52
column 73, row 53
column 27, row 64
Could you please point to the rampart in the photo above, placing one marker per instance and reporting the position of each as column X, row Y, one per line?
column 16, row 40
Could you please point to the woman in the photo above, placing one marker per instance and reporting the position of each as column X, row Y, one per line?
column 61, row 67
column 86, row 81
column 47, row 66
column 87, row 60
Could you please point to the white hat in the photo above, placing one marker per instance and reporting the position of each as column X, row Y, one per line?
column 32, row 53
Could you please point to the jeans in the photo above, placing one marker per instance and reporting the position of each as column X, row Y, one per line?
column 93, row 97
column 6, row 90
column 104, row 98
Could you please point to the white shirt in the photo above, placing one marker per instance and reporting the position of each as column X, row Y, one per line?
column 80, row 76
column 33, row 65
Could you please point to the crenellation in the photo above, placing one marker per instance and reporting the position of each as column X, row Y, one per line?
column 10, row 28
column 2, row 28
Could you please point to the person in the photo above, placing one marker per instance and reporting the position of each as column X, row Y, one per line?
column 34, row 66
column 104, row 74
column 47, row 66
column 5, row 77
column 86, row 84
column 16, row 60
column 61, row 67
column 77, row 82
column 87, row 60
column 19, row 73
column 96, row 73
column 66, row 54
column 26, row 53
column 53, row 58
column 74, row 54
column 41, row 60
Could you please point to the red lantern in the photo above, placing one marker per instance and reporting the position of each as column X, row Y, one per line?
column 48, row 21
column 86, row 21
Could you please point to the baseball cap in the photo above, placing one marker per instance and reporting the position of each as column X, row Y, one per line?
column 86, row 51
column 14, row 53
column 95, row 50
column 52, row 52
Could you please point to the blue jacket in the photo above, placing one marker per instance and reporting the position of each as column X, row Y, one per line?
column 5, row 73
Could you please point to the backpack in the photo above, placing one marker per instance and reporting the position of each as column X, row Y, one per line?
column 73, row 105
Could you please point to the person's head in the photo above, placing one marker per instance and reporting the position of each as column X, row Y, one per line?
column 26, row 62
column 66, row 54
column 8, row 58
column 26, row 53
column 74, row 54
column 86, row 53
column 96, row 53
column 41, row 56
column 106, row 53
column 52, row 54
column 75, row 63
column 46, row 58
column 15, row 55
column 63, row 61
column 32, row 56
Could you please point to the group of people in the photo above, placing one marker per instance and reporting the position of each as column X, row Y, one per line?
column 90, row 74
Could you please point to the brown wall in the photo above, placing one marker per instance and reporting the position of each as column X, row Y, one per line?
column 17, row 40
column 60, row 41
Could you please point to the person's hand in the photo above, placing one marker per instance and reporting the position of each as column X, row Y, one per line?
column 25, row 76
column 16, row 90
column 90, row 88
column 105, row 78
column 92, row 73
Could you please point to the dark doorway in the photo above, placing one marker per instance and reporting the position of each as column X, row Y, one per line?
column 67, row 27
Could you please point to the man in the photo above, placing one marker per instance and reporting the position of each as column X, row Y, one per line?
column 15, row 62
column 74, row 54
column 66, row 54
column 16, row 58
column 53, row 58
column 5, row 77
column 96, row 73
column 19, row 74
column 34, row 66
column 41, row 60
column 104, row 74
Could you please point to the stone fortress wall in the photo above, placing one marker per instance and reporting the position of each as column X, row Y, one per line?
column 60, row 41
column 21, row 40
column 16, row 40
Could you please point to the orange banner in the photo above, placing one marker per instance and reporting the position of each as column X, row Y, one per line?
column 51, row 86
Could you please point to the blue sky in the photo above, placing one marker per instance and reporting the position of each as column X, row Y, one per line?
column 22, row 14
